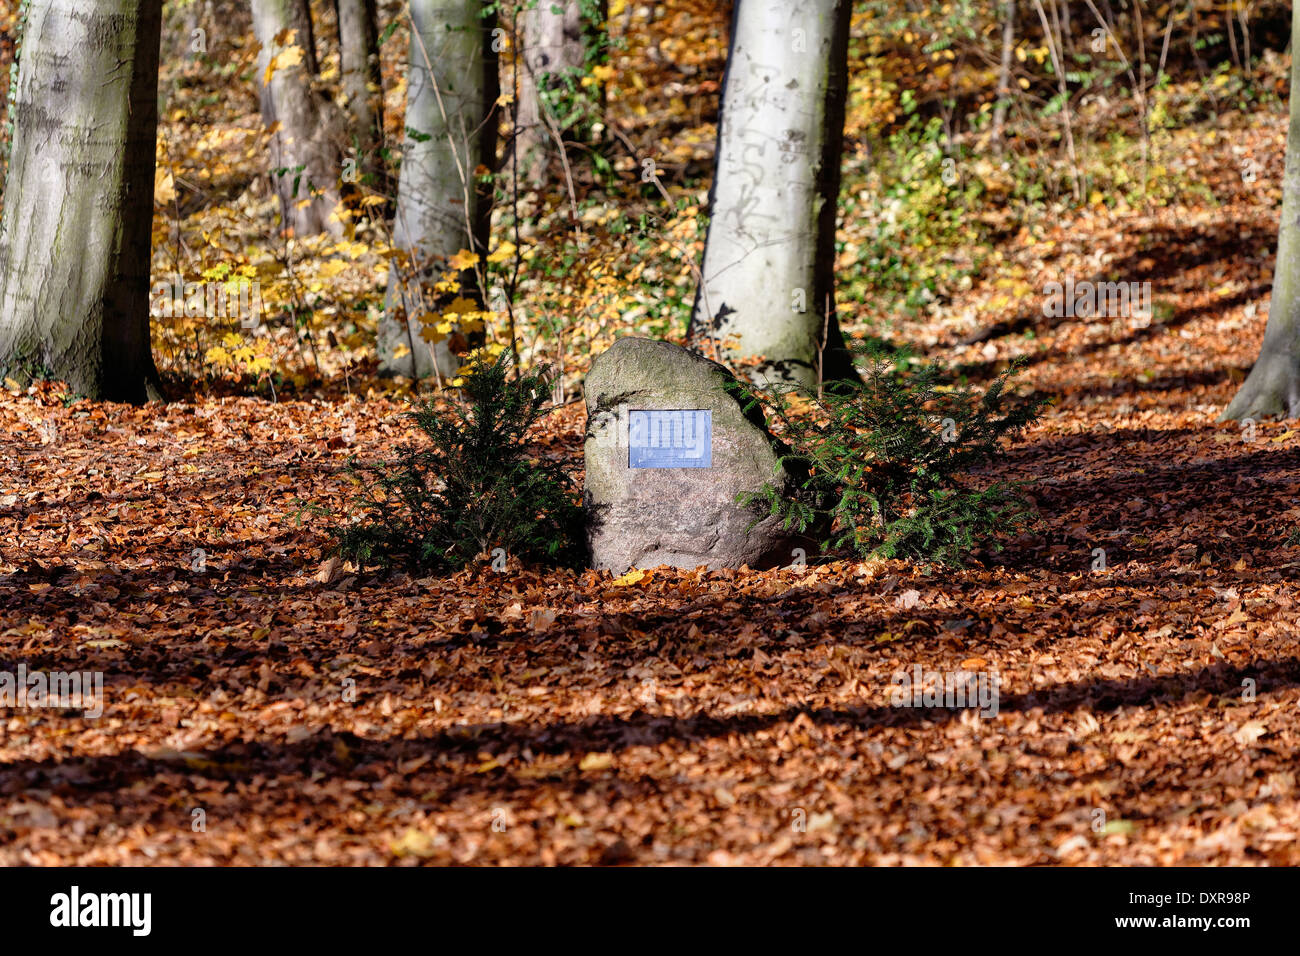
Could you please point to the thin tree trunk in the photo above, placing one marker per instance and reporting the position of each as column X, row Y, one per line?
column 306, row 160
column 767, row 289
column 552, row 32
column 1273, row 387
column 1004, row 70
column 77, row 227
column 1232, row 41
column 362, row 85
column 441, row 206
column 1245, row 38
column 1067, row 122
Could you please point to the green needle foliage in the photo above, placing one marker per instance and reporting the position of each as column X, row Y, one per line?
column 477, row 485
column 885, row 464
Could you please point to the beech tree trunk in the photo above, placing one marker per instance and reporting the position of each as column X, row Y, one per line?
column 306, row 158
column 768, row 274
column 77, row 228
column 362, row 83
column 1272, row 390
column 441, row 207
column 553, row 34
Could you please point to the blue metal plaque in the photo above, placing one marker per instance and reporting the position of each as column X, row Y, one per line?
column 670, row 438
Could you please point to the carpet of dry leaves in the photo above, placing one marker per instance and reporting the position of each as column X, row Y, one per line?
column 538, row 716
column 319, row 715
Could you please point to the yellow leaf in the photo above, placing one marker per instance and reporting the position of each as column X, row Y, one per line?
column 164, row 187
column 463, row 260
column 459, row 306
column 635, row 576
column 596, row 762
column 290, row 56
column 413, row 843
column 503, row 252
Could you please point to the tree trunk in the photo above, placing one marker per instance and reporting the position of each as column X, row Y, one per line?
column 1272, row 390
column 77, row 227
column 1004, row 70
column 362, row 85
column 306, row 28
column 768, row 274
column 306, row 160
column 441, row 208
column 552, row 32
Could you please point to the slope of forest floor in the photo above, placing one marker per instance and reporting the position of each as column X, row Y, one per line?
column 531, row 716
column 317, row 715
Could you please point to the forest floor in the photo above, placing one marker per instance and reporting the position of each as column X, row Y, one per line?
column 540, row 716
column 317, row 715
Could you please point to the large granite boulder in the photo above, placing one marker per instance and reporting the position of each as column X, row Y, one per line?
column 668, row 450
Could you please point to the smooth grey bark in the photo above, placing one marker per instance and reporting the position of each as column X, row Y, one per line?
column 442, row 207
column 306, row 158
column 77, row 228
column 553, row 44
column 361, row 81
column 768, row 275
column 1272, row 390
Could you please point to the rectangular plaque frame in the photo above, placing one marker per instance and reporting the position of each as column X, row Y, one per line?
column 670, row 438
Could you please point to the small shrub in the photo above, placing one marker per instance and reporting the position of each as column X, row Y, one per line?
column 886, row 461
column 477, row 485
